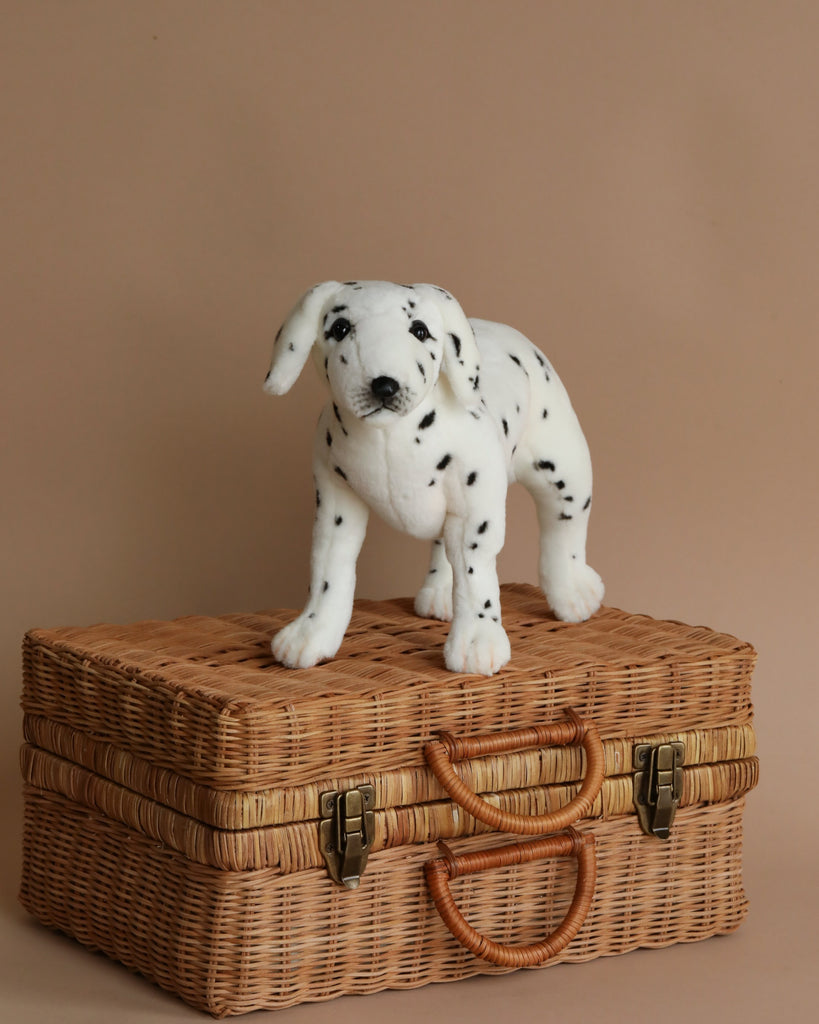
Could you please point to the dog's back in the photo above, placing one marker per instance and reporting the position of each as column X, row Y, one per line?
column 524, row 396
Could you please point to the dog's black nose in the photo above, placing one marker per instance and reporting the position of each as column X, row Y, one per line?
column 384, row 387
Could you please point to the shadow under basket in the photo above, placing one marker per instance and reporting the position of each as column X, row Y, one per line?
column 249, row 837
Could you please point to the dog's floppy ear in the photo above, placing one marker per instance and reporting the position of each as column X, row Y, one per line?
column 461, row 360
column 296, row 337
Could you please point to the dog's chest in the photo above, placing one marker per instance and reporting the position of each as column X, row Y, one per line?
column 401, row 479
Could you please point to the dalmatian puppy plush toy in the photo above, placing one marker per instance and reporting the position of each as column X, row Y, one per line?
column 431, row 417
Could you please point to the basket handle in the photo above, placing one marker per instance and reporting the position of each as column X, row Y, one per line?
column 442, row 870
column 440, row 754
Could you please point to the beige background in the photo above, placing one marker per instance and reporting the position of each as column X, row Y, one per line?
column 632, row 184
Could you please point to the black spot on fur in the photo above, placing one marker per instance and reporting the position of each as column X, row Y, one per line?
column 472, row 546
column 337, row 309
column 278, row 334
column 339, row 520
column 423, row 371
column 338, row 417
column 545, row 414
column 318, row 499
column 588, row 502
column 431, row 483
column 516, row 360
column 540, row 358
column 481, row 615
column 427, row 421
column 470, row 570
column 544, row 464
column 329, row 439
column 432, row 355
column 445, row 461
column 456, row 342
column 291, row 347
column 343, row 359
column 568, row 497
column 564, row 516
column 560, row 484
column 487, row 604
column 473, row 476
column 476, row 383
column 326, row 587
column 483, row 527
column 341, row 472
column 505, row 428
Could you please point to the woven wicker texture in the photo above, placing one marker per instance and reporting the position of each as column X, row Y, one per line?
column 295, row 847
column 230, row 942
column 202, row 697
column 401, row 787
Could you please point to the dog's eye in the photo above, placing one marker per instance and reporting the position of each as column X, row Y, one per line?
column 340, row 328
column 419, row 329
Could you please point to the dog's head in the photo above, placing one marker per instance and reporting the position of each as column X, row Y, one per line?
column 381, row 347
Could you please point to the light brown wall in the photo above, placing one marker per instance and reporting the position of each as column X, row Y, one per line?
column 632, row 184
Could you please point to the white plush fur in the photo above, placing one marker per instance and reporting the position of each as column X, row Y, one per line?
column 428, row 432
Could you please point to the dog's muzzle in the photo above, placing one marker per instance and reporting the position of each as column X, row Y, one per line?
column 383, row 395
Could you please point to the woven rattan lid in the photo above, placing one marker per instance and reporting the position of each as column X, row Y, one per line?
column 202, row 696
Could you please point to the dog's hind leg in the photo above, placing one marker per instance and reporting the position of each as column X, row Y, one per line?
column 434, row 599
column 563, row 500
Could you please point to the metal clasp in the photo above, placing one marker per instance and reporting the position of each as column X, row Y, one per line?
column 658, row 783
column 346, row 832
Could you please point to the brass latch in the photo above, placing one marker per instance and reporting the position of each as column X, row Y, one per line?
column 346, row 832
column 658, row 782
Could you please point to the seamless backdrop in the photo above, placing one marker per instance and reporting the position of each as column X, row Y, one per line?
column 632, row 184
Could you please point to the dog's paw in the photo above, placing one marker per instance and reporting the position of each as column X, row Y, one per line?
column 579, row 598
column 480, row 647
column 304, row 643
column 434, row 603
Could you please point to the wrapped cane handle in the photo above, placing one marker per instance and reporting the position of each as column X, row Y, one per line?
column 440, row 754
column 442, row 870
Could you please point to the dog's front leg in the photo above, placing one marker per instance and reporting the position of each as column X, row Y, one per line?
column 338, row 533
column 477, row 641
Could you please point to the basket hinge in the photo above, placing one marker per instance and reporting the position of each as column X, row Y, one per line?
column 346, row 832
column 658, row 782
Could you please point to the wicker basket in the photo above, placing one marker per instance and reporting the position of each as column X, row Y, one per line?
column 177, row 780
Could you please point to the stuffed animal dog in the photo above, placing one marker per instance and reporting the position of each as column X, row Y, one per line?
column 431, row 417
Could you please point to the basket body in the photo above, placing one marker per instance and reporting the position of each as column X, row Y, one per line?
column 174, row 781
